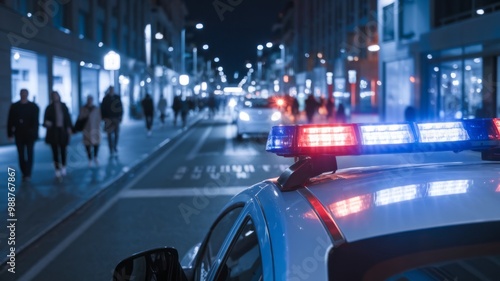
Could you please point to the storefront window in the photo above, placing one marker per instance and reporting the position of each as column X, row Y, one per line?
column 29, row 71
column 451, row 90
column 473, row 88
column 498, row 87
column 399, row 79
column 90, row 84
column 433, row 92
column 104, row 82
column 63, row 83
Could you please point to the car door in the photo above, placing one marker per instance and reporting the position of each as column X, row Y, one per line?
column 242, row 250
column 215, row 240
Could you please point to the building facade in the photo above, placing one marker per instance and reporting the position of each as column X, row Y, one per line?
column 332, row 54
column 441, row 57
column 60, row 45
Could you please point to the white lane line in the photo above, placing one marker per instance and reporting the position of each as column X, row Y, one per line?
column 198, row 145
column 182, row 192
column 229, row 150
column 71, row 238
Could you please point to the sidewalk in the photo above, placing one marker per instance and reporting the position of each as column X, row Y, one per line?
column 45, row 201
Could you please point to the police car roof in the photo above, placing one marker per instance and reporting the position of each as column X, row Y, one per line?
column 369, row 202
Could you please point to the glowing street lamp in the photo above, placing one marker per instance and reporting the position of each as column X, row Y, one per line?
column 184, row 79
column 112, row 62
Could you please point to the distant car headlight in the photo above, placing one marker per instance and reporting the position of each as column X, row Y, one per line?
column 232, row 103
column 244, row 116
column 276, row 116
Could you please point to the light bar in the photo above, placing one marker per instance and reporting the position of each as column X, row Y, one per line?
column 326, row 136
column 442, row 132
column 386, row 134
column 357, row 139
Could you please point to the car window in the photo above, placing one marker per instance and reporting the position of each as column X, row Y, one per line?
column 216, row 237
column 243, row 262
column 478, row 268
column 257, row 103
column 456, row 252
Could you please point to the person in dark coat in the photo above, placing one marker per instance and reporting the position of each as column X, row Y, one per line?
column 311, row 107
column 330, row 108
column 22, row 124
column 295, row 109
column 410, row 114
column 341, row 117
column 59, row 129
column 148, row 109
column 176, row 107
column 112, row 114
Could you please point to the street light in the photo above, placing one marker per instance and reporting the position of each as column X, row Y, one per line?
column 112, row 62
column 283, row 57
column 198, row 26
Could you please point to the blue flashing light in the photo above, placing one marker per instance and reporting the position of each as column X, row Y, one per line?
column 281, row 140
column 442, row 132
column 357, row 139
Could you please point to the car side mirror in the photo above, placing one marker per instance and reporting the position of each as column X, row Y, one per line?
column 156, row 264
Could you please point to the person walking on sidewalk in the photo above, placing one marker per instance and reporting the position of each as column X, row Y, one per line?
column 148, row 109
column 22, row 123
column 59, row 129
column 311, row 108
column 186, row 105
column 176, row 107
column 341, row 116
column 91, row 130
column 162, row 107
column 112, row 114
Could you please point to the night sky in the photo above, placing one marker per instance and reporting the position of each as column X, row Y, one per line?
column 233, row 34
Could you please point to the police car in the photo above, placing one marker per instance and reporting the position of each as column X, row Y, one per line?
column 407, row 222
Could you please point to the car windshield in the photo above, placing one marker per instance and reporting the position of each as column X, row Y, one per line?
column 443, row 253
column 259, row 103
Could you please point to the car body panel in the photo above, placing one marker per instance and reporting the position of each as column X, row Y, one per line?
column 300, row 243
column 372, row 202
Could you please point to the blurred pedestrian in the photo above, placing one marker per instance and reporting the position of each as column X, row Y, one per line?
column 410, row 114
column 22, row 123
column 340, row 116
column 176, row 107
column 295, row 109
column 330, row 109
column 91, row 130
column 148, row 109
column 162, row 107
column 59, row 129
column 311, row 107
column 112, row 114
column 212, row 105
column 186, row 105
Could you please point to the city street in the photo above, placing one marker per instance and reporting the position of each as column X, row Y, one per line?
column 170, row 199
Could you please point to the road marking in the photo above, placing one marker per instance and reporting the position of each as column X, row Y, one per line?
column 198, row 145
column 38, row 267
column 229, row 149
column 182, row 192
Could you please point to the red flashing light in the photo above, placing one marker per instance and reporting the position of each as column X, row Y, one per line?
column 496, row 121
column 325, row 136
